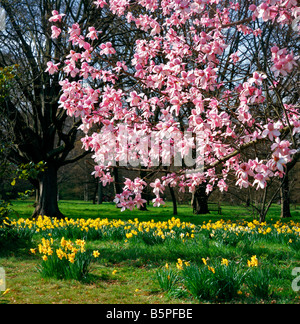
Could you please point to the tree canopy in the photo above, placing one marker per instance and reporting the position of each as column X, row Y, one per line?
column 213, row 82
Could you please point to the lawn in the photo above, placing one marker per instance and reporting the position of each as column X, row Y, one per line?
column 134, row 254
column 82, row 209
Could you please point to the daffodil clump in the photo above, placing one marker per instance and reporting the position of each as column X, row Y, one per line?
column 216, row 280
column 65, row 259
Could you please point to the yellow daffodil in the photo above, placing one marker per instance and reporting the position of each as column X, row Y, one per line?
column 211, row 269
column 225, row 262
column 6, row 291
column 253, row 262
column 96, row 254
column 179, row 264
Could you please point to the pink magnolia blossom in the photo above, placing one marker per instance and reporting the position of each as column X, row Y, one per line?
column 139, row 202
column 271, row 132
column 242, row 183
column 284, row 62
column 100, row 3
column 71, row 68
column 157, row 187
column 56, row 16
column 260, row 181
column 75, row 32
column 222, row 185
column 296, row 129
column 234, row 57
column 282, row 147
column 278, row 162
column 74, row 56
column 93, row 34
column 52, row 68
column 244, row 171
column 107, row 49
column 257, row 78
column 55, row 32
column 157, row 202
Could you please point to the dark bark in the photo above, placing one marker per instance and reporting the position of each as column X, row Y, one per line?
column 117, row 185
column 144, row 192
column 200, row 201
column 285, row 190
column 100, row 193
column 264, row 209
column 175, row 211
column 47, row 203
column 285, row 198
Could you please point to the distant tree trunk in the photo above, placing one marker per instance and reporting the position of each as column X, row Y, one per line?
column 200, row 201
column 47, row 202
column 285, row 198
column 284, row 191
column 144, row 193
column 117, row 187
column 100, row 193
column 36, row 185
column 37, row 197
column 95, row 192
column 263, row 208
column 86, row 192
column 116, row 184
column 175, row 211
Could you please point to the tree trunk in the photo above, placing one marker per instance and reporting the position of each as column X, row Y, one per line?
column 100, row 193
column 144, row 192
column 175, row 212
column 200, row 201
column 47, row 204
column 263, row 209
column 117, row 186
column 285, row 198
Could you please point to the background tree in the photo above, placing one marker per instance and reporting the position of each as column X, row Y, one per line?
column 7, row 74
column 31, row 118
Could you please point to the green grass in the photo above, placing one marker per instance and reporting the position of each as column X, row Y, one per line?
column 137, row 263
column 81, row 209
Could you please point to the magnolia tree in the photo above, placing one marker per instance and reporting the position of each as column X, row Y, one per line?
column 210, row 81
